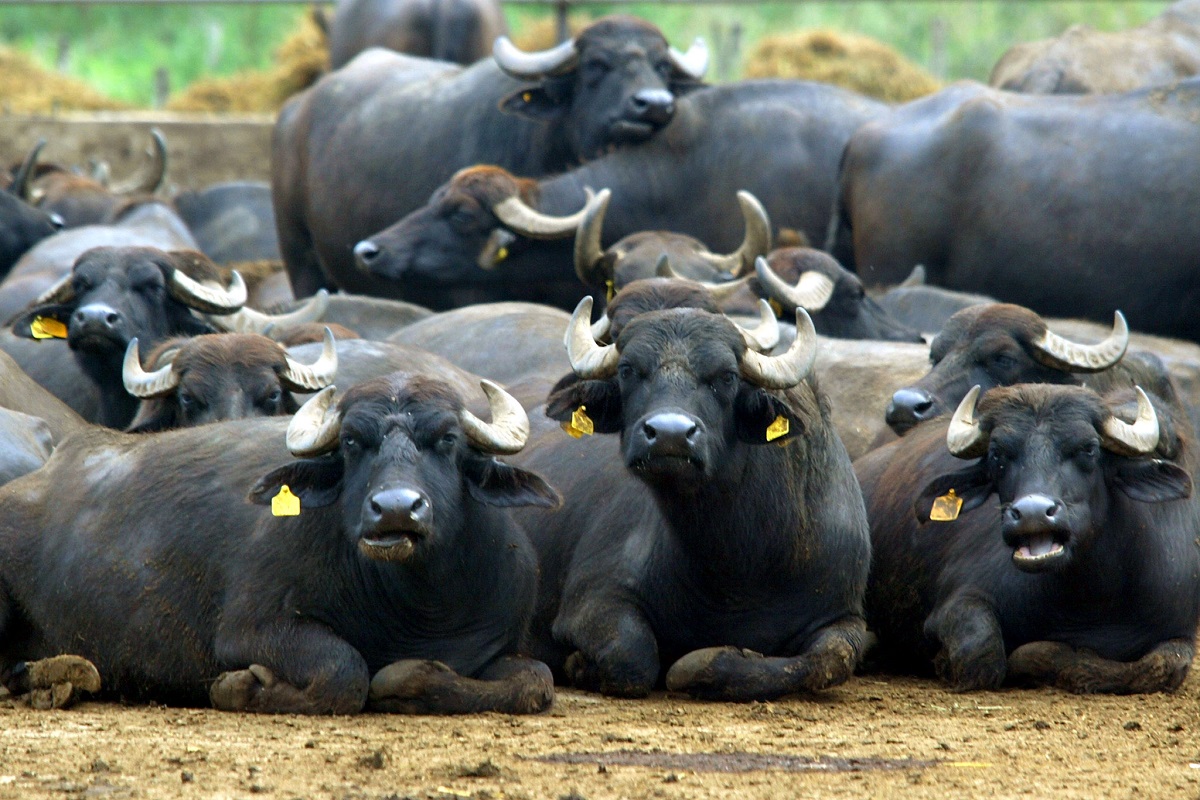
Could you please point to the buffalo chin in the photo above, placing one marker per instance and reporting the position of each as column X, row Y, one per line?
column 397, row 546
column 1041, row 552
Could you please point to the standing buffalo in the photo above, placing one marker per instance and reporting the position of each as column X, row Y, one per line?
column 1088, row 578
column 723, row 536
column 1072, row 206
column 369, row 143
column 401, row 583
column 461, row 31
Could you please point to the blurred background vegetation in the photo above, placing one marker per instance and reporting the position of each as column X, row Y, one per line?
column 118, row 50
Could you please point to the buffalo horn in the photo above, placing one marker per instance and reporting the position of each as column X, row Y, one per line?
column 20, row 183
column 790, row 367
column 720, row 290
column 206, row 298
column 247, row 320
column 1137, row 439
column 915, row 278
column 1056, row 351
column 963, row 437
column 693, row 63
column 150, row 178
column 588, row 252
column 142, row 384
column 588, row 359
column 509, row 428
column 531, row 66
column 811, row 292
column 765, row 335
column 533, row 224
column 601, row 327
column 315, row 427
column 756, row 241
column 319, row 374
column 61, row 292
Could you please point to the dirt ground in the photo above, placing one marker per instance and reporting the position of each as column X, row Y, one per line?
column 878, row 736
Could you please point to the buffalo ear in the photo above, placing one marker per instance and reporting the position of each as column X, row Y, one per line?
column 153, row 414
column 316, row 481
column 22, row 323
column 494, row 483
column 755, row 410
column 1152, row 481
column 971, row 484
column 602, row 399
column 533, row 103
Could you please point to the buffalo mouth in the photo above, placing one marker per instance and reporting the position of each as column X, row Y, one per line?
column 93, row 341
column 684, row 469
column 1040, row 551
column 391, row 545
column 629, row 130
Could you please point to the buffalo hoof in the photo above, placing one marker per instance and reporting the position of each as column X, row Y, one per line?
column 583, row 673
column 1083, row 671
column 240, row 690
column 721, row 673
column 59, row 682
column 970, row 672
column 407, row 686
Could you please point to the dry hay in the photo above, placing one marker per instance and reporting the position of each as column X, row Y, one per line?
column 542, row 34
column 28, row 88
column 855, row 62
column 299, row 61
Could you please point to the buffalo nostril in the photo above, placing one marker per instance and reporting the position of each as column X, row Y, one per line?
column 57, row 222
column 112, row 318
column 366, row 251
column 417, row 506
column 648, row 429
column 376, row 509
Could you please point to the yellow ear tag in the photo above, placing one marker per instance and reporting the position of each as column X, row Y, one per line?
column 501, row 254
column 285, row 504
column 580, row 424
column 778, row 428
column 946, row 508
column 47, row 328
column 775, row 306
column 610, row 291
column 527, row 96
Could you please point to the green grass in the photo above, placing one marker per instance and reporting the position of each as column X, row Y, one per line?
column 119, row 48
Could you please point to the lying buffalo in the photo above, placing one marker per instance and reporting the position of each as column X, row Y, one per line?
column 1088, row 578
column 401, row 584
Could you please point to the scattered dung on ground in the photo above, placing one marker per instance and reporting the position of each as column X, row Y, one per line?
column 732, row 762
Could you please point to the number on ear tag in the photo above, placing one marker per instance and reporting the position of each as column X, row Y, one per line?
column 285, row 504
column 946, row 507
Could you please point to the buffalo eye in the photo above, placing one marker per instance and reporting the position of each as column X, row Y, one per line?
column 350, row 441
column 595, row 70
column 625, row 372
column 1086, row 453
column 188, row 401
column 447, row 442
column 1002, row 361
column 663, row 68
column 999, row 460
column 273, row 399
column 724, row 381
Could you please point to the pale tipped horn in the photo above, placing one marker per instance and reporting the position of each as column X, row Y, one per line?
column 811, row 292
column 693, row 63
column 914, row 279
column 964, row 439
column 790, row 367
column 20, row 183
column 205, row 298
column 319, row 374
column 720, row 290
column 530, row 66
column 509, row 429
column 150, row 178
column 247, row 320
column 1138, row 439
column 588, row 250
column 142, row 384
column 588, row 359
column 1055, row 351
column 765, row 335
column 533, row 224
column 315, row 427
column 61, row 292
column 756, row 241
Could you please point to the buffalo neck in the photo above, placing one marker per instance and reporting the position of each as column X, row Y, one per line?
column 117, row 406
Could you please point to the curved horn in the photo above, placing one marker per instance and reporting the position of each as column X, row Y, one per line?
column 61, row 292
column 20, row 183
column 588, row 359
column 588, row 251
column 755, row 242
column 530, row 66
column 720, row 290
column 765, row 335
column 811, row 292
column 247, row 320
column 1138, row 439
column 789, row 368
column 315, row 427
column 509, row 428
column 310, row 377
column 142, row 384
column 915, row 278
column 532, row 223
column 150, row 178
column 963, row 437
column 693, row 63
column 1055, row 351
column 601, row 327
column 205, row 298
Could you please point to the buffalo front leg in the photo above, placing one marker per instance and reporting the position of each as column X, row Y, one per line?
column 1082, row 671
column 972, row 646
column 510, row 685
column 615, row 651
column 53, row 682
column 737, row 675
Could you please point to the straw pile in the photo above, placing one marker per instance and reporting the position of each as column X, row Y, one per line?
column 858, row 63
column 540, row 34
column 27, row 88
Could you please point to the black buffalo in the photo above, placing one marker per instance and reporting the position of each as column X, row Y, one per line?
column 22, row 225
column 1088, row 578
column 693, row 542
column 232, row 221
column 369, row 143
column 402, row 585
column 461, row 31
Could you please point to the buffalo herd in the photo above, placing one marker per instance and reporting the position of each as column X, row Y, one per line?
column 527, row 371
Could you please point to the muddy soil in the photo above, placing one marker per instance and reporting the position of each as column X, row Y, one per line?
column 878, row 736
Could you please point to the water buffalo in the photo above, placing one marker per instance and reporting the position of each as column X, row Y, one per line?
column 231, row 221
column 778, row 140
column 369, row 143
column 401, row 584
column 221, row 376
column 21, row 227
column 1086, row 61
column 461, row 31
column 25, row 444
column 1087, row 579
column 1020, row 198
column 723, row 537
